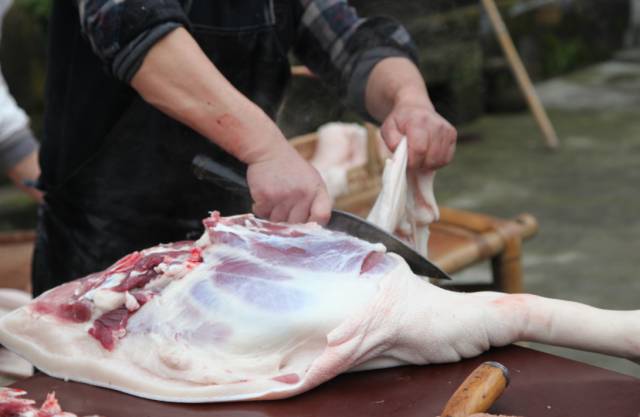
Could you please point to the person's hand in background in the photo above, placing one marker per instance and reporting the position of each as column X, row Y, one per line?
column 25, row 173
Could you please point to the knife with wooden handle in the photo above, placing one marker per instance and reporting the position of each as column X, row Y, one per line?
column 479, row 391
column 207, row 169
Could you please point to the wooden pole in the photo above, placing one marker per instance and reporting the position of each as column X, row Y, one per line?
column 520, row 73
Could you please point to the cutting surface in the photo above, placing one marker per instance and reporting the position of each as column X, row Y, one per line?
column 541, row 385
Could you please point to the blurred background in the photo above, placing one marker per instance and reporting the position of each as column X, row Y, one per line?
column 584, row 57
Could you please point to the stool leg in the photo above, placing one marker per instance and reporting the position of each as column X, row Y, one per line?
column 507, row 267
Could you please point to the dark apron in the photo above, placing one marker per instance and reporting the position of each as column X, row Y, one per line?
column 138, row 189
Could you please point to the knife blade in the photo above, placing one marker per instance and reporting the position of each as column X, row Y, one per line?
column 353, row 225
column 206, row 169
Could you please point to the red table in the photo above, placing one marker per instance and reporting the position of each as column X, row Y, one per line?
column 541, row 385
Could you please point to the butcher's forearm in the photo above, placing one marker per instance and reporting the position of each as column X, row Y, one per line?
column 177, row 78
column 392, row 81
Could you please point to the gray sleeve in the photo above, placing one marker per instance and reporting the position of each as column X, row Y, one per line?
column 376, row 39
column 129, row 59
column 16, row 147
column 16, row 140
column 342, row 48
column 122, row 32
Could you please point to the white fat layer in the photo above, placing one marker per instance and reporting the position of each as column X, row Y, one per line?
column 107, row 300
column 130, row 302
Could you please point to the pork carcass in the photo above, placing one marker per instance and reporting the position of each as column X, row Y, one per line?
column 12, row 365
column 261, row 310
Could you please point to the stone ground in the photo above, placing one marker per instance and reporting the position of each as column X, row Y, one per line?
column 585, row 195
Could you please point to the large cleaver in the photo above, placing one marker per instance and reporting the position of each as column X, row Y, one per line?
column 207, row 169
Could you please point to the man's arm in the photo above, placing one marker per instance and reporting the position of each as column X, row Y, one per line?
column 396, row 95
column 370, row 61
column 177, row 78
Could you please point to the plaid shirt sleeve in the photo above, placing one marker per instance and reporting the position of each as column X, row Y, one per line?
column 343, row 48
column 122, row 32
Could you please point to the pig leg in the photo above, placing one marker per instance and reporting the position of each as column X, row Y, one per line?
column 523, row 317
column 436, row 325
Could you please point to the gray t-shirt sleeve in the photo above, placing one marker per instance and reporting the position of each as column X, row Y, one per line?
column 16, row 147
column 342, row 48
column 16, row 139
column 122, row 32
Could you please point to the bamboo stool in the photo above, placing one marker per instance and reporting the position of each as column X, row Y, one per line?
column 463, row 238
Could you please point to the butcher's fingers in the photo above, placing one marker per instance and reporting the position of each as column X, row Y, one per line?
column 320, row 210
column 431, row 143
column 280, row 212
column 262, row 210
column 391, row 134
column 297, row 209
column 446, row 146
column 420, row 144
column 300, row 212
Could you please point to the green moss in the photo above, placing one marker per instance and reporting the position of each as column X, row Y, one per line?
column 22, row 54
column 38, row 8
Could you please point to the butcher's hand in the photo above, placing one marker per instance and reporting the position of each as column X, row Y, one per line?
column 397, row 96
column 285, row 187
column 431, row 139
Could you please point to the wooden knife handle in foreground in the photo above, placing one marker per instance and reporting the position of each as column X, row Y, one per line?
column 479, row 391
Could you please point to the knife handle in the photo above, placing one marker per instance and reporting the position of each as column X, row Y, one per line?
column 479, row 391
column 207, row 169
